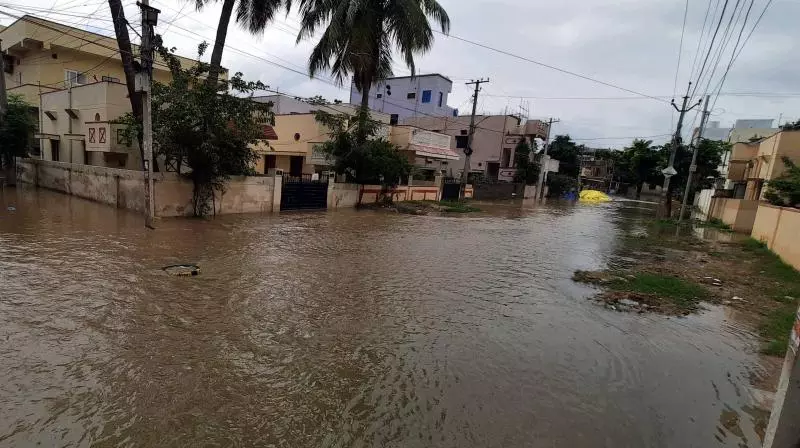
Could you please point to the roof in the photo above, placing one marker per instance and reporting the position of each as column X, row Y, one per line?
column 434, row 151
column 79, row 38
column 417, row 76
column 269, row 133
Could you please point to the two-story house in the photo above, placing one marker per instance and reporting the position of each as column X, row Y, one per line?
column 405, row 96
column 75, row 81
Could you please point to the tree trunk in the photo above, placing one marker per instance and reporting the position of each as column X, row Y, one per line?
column 639, row 190
column 219, row 42
column 126, row 53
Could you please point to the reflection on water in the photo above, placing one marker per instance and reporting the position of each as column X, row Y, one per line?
column 345, row 329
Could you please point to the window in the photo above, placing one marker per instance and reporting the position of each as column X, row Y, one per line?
column 379, row 96
column 464, row 132
column 393, row 119
column 8, row 64
column 461, row 141
column 73, row 78
column 411, row 95
column 441, row 98
column 426, row 96
column 110, row 79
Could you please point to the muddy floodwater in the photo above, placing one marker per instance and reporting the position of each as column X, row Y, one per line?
column 348, row 329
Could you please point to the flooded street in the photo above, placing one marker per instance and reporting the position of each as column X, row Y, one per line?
column 347, row 329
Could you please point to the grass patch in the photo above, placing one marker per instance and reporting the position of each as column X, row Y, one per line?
column 772, row 265
column 683, row 294
column 457, row 207
column 714, row 223
column 775, row 329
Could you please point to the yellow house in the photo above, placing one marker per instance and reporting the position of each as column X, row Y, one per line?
column 43, row 56
column 753, row 165
column 75, row 81
column 297, row 150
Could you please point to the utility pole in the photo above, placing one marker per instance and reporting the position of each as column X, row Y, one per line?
column 149, row 20
column 468, row 150
column 544, row 160
column 693, row 167
column 670, row 171
column 3, row 97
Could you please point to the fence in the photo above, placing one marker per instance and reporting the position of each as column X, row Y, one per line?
column 125, row 188
column 777, row 227
column 740, row 214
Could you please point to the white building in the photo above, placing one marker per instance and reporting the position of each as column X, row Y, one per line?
column 407, row 97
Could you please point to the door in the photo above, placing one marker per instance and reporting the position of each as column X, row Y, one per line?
column 304, row 194
column 55, row 150
column 492, row 170
column 269, row 163
column 296, row 166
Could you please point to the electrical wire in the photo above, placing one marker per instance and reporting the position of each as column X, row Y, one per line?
column 711, row 45
column 680, row 49
column 552, row 67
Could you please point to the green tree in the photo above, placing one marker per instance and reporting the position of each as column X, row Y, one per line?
column 16, row 130
column 527, row 171
column 784, row 190
column 559, row 184
column 209, row 128
column 372, row 161
column 568, row 153
column 709, row 157
column 638, row 164
column 361, row 35
column 253, row 15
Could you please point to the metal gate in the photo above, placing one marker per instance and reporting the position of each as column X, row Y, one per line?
column 303, row 193
column 450, row 189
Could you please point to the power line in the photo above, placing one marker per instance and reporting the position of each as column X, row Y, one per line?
column 711, row 45
column 680, row 48
column 700, row 40
column 523, row 58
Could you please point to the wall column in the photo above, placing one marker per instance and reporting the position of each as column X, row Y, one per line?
column 331, row 201
column 277, row 189
column 438, row 180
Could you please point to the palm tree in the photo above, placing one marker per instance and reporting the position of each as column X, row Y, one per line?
column 253, row 15
column 361, row 35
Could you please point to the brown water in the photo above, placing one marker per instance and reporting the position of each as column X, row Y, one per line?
column 346, row 329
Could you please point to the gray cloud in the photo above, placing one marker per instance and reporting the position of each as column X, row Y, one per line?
column 631, row 43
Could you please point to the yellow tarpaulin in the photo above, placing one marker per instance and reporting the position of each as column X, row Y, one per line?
column 594, row 196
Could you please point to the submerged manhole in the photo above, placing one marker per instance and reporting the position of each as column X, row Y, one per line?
column 182, row 270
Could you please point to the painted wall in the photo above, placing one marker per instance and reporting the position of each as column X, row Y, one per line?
column 740, row 214
column 125, row 188
column 95, row 104
column 777, row 227
column 488, row 143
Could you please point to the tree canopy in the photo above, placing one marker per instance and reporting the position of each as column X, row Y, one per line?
column 206, row 127
column 527, row 171
column 360, row 37
column 16, row 129
column 784, row 190
column 372, row 161
column 568, row 153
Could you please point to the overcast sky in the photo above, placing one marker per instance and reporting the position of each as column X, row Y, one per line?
column 630, row 43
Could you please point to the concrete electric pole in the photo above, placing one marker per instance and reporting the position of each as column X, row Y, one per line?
column 693, row 167
column 149, row 20
column 468, row 149
column 670, row 171
column 543, row 163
